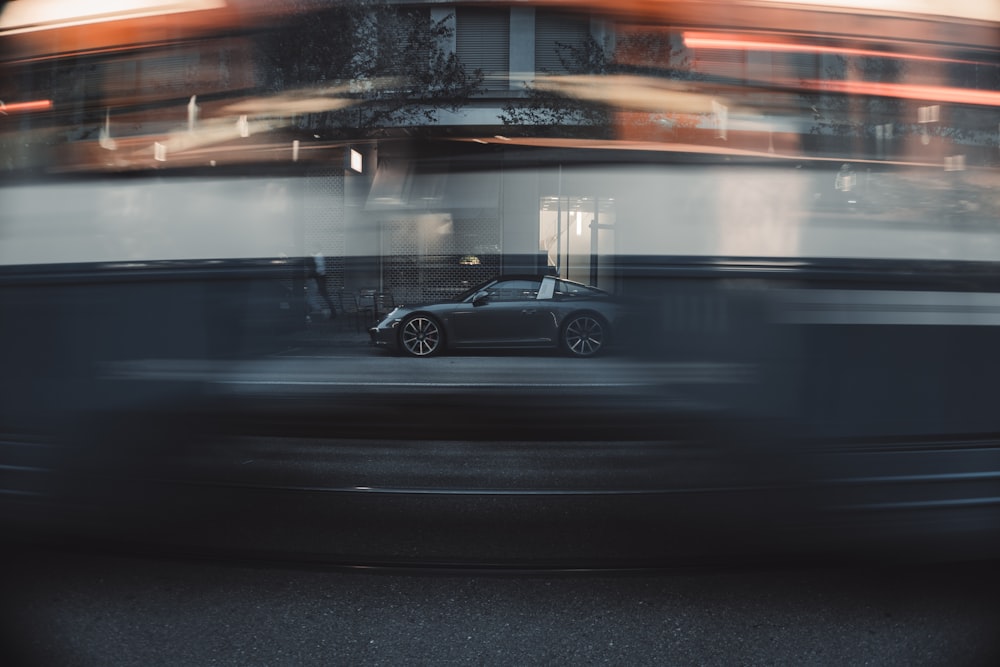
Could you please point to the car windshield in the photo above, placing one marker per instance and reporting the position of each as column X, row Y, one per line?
column 471, row 292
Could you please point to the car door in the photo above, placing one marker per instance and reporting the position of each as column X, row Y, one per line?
column 508, row 315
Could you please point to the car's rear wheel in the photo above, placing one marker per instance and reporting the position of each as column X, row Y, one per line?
column 421, row 336
column 584, row 335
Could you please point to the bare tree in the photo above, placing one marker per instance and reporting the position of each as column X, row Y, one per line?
column 392, row 59
column 652, row 54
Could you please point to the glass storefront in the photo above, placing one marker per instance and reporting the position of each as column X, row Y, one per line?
column 577, row 236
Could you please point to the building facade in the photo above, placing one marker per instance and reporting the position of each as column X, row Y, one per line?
column 592, row 134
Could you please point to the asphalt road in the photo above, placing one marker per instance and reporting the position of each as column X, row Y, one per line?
column 73, row 609
column 488, row 459
column 62, row 608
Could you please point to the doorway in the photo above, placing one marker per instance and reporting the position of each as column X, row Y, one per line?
column 577, row 236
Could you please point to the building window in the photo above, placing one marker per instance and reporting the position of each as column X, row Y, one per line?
column 794, row 67
column 723, row 63
column 482, row 41
column 560, row 43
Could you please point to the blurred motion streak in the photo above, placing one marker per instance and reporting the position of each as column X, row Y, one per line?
column 630, row 92
column 704, row 40
column 907, row 91
column 47, row 29
column 18, row 107
column 206, row 209
column 35, row 15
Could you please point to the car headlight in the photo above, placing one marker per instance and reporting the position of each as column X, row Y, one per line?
column 390, row 321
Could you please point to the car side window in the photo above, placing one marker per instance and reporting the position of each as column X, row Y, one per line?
column 514, row 290
column 567, row 289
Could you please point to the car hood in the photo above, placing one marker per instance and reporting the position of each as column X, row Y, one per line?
column 406, row 309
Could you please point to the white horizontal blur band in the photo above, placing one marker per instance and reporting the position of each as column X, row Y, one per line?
column 890, row 307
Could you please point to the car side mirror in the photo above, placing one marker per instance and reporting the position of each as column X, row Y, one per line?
column 481, row 299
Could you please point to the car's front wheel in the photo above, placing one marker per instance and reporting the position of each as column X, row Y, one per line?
column 421, row 336
column 584, row 335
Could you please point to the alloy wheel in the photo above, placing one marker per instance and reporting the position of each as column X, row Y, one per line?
column 584, row 336
column 421, row 336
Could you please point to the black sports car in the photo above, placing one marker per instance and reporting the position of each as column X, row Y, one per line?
column 506, row 312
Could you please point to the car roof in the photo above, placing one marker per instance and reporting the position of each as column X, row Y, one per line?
column 538, row 276
column 523, row 276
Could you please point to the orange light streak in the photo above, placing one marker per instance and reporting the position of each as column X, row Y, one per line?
column 710, row 40
column 909, row 91
column 15, row 107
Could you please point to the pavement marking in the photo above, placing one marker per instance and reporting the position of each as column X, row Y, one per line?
column 447, row 385
column 308, row 356
column 485, row 491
